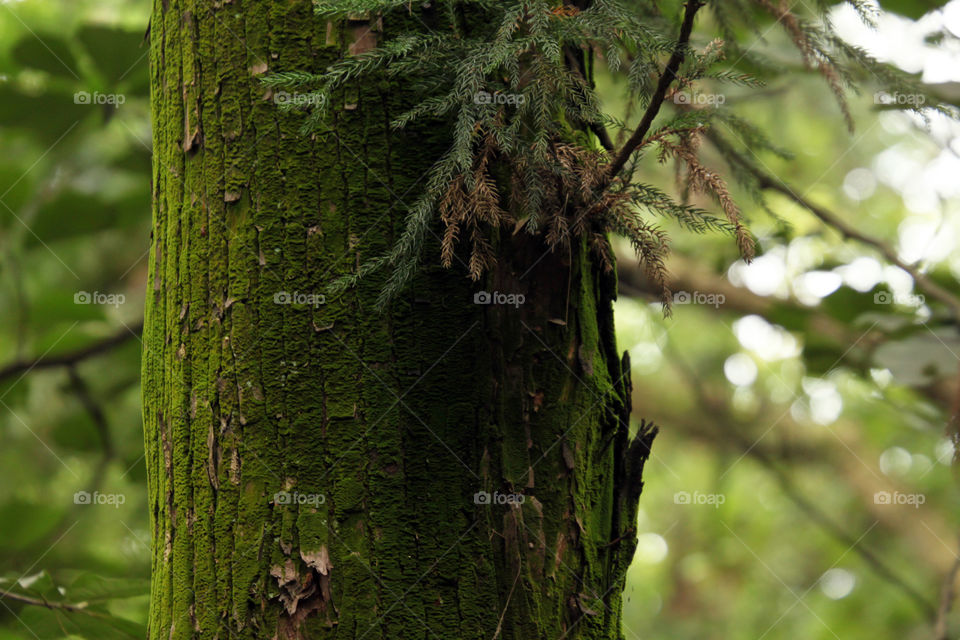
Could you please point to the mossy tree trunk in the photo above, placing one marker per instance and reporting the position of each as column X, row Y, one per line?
column 313, row 467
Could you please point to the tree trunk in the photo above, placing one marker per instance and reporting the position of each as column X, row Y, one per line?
column 314, row 466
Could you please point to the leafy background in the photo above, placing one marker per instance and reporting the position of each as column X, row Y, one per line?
column 793, row 402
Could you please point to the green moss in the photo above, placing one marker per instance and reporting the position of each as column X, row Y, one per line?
column 397, row 418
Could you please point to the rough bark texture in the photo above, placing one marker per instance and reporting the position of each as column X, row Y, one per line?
column 395, row 419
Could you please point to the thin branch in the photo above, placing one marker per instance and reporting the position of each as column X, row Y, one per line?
column 107, row 450
column 660, row 93
column 837, row 531
column 94, row 410
column 598, row 129
column 70, row 360
column 772, row 183
column 953, row 427
column 688, row 275
column 817, row 515
column 603, row 136
column 41, row 602
column 947, row 594
column 72, row 357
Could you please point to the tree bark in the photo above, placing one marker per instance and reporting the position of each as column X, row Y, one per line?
column 313, row 466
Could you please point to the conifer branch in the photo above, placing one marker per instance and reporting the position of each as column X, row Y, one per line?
column 525, row 121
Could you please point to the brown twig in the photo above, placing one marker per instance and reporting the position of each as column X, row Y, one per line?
column 660, row 93
column 688, row 275
column 772, row 183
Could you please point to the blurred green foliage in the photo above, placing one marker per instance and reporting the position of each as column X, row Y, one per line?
column 801, row 486
column 74, row 220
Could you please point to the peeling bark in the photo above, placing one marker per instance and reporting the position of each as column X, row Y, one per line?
column 313, row 466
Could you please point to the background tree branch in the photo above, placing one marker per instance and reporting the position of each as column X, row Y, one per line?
column 72, row 357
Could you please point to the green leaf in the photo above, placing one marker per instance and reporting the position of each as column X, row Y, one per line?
column 89, row 587
column 76, row 610
column 847, row 304
column 45, row 52
column 120, row 55
column 88, row 214
column 37, row 585
column 921, row 358
column 913, row 9
column 92, row 625
column 76, row 432
column 26, row 523
column 47, row 117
